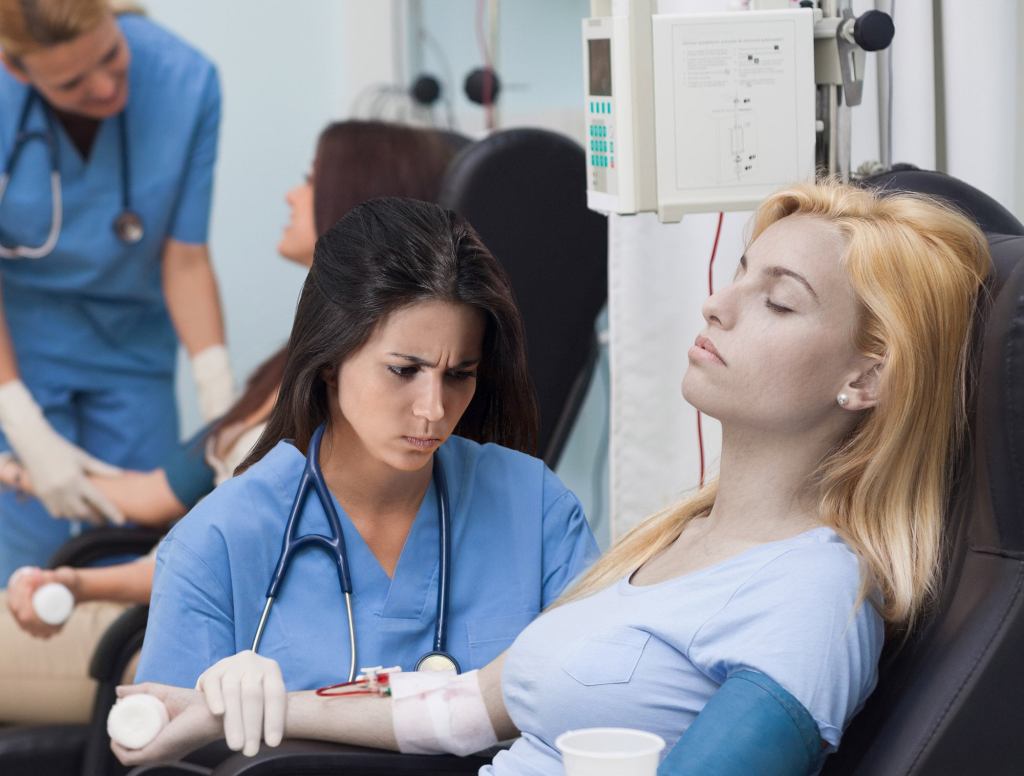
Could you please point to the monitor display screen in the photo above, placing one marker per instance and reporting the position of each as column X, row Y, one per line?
column 600, row 50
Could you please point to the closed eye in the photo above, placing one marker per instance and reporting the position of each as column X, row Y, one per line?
column 776, row 308
column 111, row 55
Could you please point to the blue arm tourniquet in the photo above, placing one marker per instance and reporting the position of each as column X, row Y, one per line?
column 750, row 725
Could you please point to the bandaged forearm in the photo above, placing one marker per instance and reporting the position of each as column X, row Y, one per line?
column 440, row 713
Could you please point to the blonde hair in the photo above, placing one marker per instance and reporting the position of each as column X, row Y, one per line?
column 27, row 26
column 916, row 267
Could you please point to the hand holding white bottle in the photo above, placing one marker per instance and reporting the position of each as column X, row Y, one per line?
column 135, row 720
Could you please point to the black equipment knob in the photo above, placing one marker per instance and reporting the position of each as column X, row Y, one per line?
column 873, row 30
column 482, row 86
column 425, row 90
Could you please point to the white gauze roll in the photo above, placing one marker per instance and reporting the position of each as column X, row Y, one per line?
column 438, row 712
column 53, row 603
column 136, row 720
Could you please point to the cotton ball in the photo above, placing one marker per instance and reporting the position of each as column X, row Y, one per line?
column 53, row 603
column 136, row 720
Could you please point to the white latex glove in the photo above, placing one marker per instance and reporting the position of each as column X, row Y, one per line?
column 248, row 691
column 214, row 382
column 58, row 468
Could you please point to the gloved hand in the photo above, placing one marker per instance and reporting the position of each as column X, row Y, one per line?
column 58, row 468
column 214, row 382
column 248, row 691
column 20, row 588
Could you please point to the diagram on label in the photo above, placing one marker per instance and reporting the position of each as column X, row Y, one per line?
column 737, row 141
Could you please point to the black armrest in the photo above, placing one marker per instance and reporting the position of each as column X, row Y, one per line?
column 40, row 750
column 120, row 642
column 306, row 758
column 107, row 542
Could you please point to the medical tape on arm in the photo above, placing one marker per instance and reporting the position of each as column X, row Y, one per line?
column 440, row 713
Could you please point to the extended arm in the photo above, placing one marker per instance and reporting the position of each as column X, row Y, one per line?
column 369, row 721
column 125, row 583
column 145, row 498
column 359, row 720
column 190, row 289
column 8, row 362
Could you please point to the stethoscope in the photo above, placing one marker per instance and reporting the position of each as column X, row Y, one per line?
column 128, row 224
column 436, row 660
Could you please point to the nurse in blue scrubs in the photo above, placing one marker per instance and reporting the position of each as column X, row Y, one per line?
column 108, row 136
column 408, row 347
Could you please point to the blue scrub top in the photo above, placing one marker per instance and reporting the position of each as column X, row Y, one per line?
column 95, row 305
column 518, row 538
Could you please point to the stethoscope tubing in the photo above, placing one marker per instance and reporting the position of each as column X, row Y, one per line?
column 49, row 136
column 22, row 138
column 312, row 475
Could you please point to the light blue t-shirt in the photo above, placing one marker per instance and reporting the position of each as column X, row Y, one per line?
column 650, row 657
column 519, row 536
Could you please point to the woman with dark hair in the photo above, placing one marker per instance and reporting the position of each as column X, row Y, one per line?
column 407, row 355
column 49, row 682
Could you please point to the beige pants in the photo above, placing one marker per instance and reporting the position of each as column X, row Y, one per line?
column 47, row 680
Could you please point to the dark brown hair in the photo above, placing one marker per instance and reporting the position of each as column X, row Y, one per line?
column 355, row 161
column 384, row 255
column 361, row 160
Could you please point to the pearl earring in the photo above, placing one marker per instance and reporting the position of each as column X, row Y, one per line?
column 842, row 400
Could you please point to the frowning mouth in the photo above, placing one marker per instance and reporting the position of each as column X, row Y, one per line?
column 422, row 443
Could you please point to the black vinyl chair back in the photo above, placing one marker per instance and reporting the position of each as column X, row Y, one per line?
column 949, row 701
column 524, row 191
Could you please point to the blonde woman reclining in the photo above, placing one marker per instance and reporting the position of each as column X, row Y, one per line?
column 835, row 362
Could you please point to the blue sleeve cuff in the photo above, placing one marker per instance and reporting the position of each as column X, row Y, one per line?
column 188, row 474
column 750, row 725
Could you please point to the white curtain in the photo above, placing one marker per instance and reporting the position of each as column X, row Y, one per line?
column 658, row 272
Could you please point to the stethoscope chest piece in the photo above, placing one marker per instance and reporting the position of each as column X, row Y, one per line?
column 313, row 479
column 438, row 661
column 128, row 227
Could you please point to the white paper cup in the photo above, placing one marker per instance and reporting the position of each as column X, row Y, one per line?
column 609, row 752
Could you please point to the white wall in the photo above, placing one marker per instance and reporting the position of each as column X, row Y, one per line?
column 539, row 60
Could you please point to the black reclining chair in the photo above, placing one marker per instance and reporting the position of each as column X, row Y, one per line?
column 524, row 191
column 949, row 701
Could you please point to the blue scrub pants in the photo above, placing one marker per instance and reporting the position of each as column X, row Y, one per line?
column 127, row 420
